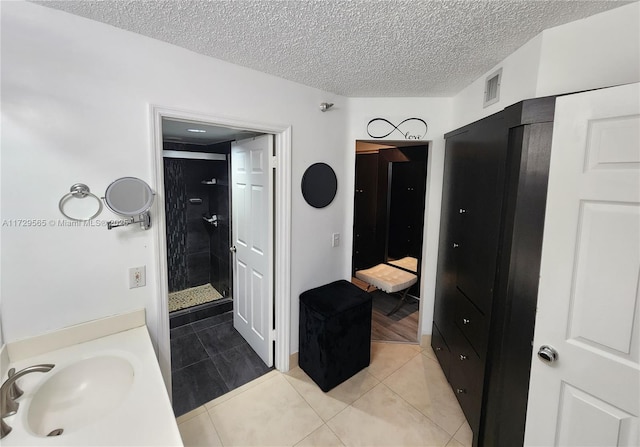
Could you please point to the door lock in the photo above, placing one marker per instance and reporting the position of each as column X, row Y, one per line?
column 547, row 354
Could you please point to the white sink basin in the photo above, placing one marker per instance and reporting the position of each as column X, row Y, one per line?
column 79, row 394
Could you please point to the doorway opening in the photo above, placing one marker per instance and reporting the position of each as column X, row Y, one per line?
column 389, row 203
column 209, row 356
column 204, row 354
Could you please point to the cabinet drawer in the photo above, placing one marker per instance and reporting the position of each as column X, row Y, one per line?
column 471, row 323
column 467, row 379
column 441, row 349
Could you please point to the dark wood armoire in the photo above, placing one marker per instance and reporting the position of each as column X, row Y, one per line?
column 494, row 197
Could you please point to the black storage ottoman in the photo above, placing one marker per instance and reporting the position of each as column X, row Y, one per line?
column 335, row 333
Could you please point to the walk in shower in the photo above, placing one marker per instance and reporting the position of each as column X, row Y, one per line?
column 209, row 357
column 198, row 223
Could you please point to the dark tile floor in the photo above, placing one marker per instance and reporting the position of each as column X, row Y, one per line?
column 208, row 359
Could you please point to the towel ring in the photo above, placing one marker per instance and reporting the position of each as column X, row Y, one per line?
column 79, row 191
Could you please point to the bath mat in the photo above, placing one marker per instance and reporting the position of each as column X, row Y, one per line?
column 192, row 297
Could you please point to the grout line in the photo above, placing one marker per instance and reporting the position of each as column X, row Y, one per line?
column 419, row 411
column 214, row 425
column 303, row 398
column 195, row 414
column 241, row 389
column 422, row 413
column 396, row 370
column 336, row 434
column 209, row 327
column 190, row 364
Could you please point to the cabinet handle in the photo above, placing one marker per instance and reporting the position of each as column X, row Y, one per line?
column 463, row 357
column 462, row 211
column 438, row 348
column 461, row 391
column 466, row 321
column 455, row 245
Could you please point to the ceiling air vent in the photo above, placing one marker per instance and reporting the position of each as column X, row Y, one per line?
column 492, row 88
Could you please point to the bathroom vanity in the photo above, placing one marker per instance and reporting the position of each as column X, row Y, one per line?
column 105, row 388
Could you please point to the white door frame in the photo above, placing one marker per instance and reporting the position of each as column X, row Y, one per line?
column 282, row 230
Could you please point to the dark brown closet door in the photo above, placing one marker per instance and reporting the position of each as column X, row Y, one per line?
column 367, row 251
column 478, row 202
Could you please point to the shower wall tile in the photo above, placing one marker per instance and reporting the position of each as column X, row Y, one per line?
column 198, row 252
column 214, row 272
column 222, row 241
column 225, row 277
column 195, row 211
column 198, row 267
column 175, row 196
column 198, row 238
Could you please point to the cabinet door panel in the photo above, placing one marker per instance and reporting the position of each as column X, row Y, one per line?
column 466, row 378
column 472, row 324
column 441, row 350
column 367, row 250
column 449, row 235
column 479, row 204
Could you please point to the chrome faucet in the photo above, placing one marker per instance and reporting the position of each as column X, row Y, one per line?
column 9, row 393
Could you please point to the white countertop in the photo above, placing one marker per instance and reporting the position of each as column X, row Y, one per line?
column 143, row 418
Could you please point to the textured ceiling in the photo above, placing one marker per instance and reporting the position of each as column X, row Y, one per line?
column 353, row 48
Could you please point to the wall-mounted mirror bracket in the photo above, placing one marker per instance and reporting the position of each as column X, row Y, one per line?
column 131, row 198
column 144, row 219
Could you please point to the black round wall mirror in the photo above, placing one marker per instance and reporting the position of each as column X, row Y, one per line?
column 319, row 185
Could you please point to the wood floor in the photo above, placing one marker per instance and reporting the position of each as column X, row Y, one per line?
column 402, row 326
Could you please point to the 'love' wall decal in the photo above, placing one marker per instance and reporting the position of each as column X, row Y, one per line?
column 410, row 128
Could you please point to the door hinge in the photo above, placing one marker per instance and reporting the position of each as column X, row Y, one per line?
column 272, row 334
column 273, row 161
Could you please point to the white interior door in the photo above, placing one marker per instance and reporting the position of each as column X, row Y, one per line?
column 251, row 231
column 588, row 297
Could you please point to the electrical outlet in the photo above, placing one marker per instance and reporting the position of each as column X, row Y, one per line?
column 137, row 277
column 335, row 240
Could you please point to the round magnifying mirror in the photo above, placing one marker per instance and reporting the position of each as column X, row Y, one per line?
column 129, row 196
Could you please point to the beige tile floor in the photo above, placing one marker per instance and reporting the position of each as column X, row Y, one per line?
column 401, row 399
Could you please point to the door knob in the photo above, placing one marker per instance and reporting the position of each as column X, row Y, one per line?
column 232, row 249
column 547, row 354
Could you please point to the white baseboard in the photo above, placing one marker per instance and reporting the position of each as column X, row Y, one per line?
column 293, row 360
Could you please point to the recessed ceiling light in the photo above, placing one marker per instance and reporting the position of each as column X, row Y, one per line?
column 196, row 130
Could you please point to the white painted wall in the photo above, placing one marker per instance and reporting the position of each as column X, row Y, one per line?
column 76, row 96
column 519, row 79
column 598, row 51
column 437, row 112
